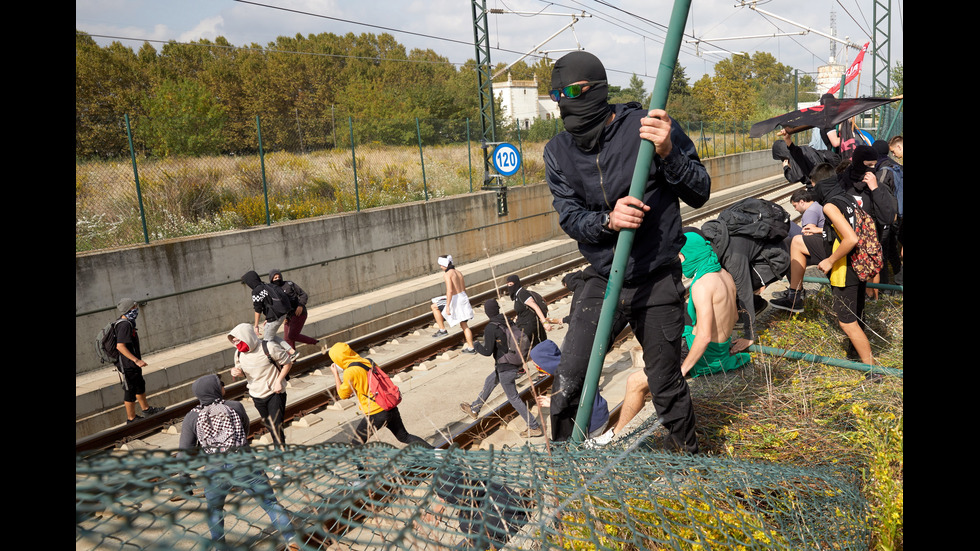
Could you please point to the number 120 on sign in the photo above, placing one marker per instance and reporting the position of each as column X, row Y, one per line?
column 506, row 159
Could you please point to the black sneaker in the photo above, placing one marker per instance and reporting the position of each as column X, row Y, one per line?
column 152, row 411
column 793, row 301
column 760, row 304
column 440, row 333
column 468, row 410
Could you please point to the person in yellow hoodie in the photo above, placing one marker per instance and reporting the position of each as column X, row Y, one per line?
column 355, row 382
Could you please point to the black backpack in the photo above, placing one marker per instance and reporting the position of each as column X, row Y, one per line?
column 756, row 219
column 518, row 345
column 105, row 342
column 540, row 300
column 280, row 303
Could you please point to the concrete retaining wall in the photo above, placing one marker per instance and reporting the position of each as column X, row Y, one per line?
column 189, row 288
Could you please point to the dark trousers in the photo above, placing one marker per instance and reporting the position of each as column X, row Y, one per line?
column 390, row 419
column 292, row 330
column 654, row 310
column 507, row 378
column 272, row 409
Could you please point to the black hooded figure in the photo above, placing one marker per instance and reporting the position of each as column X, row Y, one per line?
column 585, row 116
column 878, row 201
column 589, row 170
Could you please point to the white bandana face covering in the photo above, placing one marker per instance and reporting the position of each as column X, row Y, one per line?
column 445, row 261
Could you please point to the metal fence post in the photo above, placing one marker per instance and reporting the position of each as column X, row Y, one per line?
column 136, row 177
column 357, row 195
column 469, row 152
column 418, row 132
column 265, row 185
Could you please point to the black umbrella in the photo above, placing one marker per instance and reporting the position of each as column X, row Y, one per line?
column 830, row 112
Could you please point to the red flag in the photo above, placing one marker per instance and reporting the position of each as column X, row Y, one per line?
column 852, row 71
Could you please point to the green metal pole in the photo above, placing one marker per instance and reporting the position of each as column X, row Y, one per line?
column 624, row 242
column 891, row 125
column 793, row 355
column 418, row 132
column 136, row 177
column 884, row 286
column 265, row 185
column 520, row 147
column 469, row 152
column 353, row 155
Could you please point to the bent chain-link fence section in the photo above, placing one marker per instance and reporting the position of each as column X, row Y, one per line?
column 630, row 496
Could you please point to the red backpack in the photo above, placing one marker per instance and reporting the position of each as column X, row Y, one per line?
column 381, row 390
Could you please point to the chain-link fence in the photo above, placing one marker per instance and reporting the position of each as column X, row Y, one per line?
column 142, row 180
column 330, row 496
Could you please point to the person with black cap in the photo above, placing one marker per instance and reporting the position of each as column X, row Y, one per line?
column 589, row 169
column 530, row 318
column 504, row 373
column 130, row 362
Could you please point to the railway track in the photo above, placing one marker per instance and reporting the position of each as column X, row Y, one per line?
column 476, row 430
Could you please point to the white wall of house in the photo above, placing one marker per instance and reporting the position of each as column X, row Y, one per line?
column 522, row 103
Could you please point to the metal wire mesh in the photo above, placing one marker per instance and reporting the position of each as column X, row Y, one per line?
column 629, row 496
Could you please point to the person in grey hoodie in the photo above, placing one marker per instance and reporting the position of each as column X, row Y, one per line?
column 210, row 390
column 265, row 366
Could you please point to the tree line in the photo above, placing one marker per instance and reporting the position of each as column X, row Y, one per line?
column 203, row 97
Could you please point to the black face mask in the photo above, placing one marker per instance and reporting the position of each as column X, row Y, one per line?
column 825, row 189
column 585, row 116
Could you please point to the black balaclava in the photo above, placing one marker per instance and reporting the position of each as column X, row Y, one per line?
column 512, row 289
column 491, row 308
column 273, row 273
column 857, row 170
column 585, row 116
column 825, row 189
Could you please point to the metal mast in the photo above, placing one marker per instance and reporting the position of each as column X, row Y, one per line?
column 481, row 40
column 882, row 58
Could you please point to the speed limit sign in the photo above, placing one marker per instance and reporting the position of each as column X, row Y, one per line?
column 506, row 159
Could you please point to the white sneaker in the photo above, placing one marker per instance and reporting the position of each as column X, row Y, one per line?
column 601, row 440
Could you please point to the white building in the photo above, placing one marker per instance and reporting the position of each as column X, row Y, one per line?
column 521, row 102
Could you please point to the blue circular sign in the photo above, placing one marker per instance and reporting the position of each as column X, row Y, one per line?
column 506, row 159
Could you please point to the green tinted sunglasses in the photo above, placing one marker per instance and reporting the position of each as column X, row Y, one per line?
column 573, row 90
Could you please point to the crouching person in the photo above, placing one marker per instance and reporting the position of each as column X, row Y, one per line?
column 219, row 426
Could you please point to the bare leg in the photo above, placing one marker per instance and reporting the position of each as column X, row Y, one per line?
column 141, row 398
column 637, row 389
column 130, row 410
column 437, row 313
column 798, row 254
column 468, row 333
column 859, row 339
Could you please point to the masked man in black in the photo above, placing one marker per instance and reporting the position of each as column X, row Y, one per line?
column 589, row 168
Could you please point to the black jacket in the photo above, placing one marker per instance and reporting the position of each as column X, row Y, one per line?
column 495, row 342
column 586, row 185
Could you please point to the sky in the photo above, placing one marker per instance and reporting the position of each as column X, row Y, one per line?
column 627, row 35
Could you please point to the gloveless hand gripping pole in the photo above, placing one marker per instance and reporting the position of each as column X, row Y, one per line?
column 624, row 243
